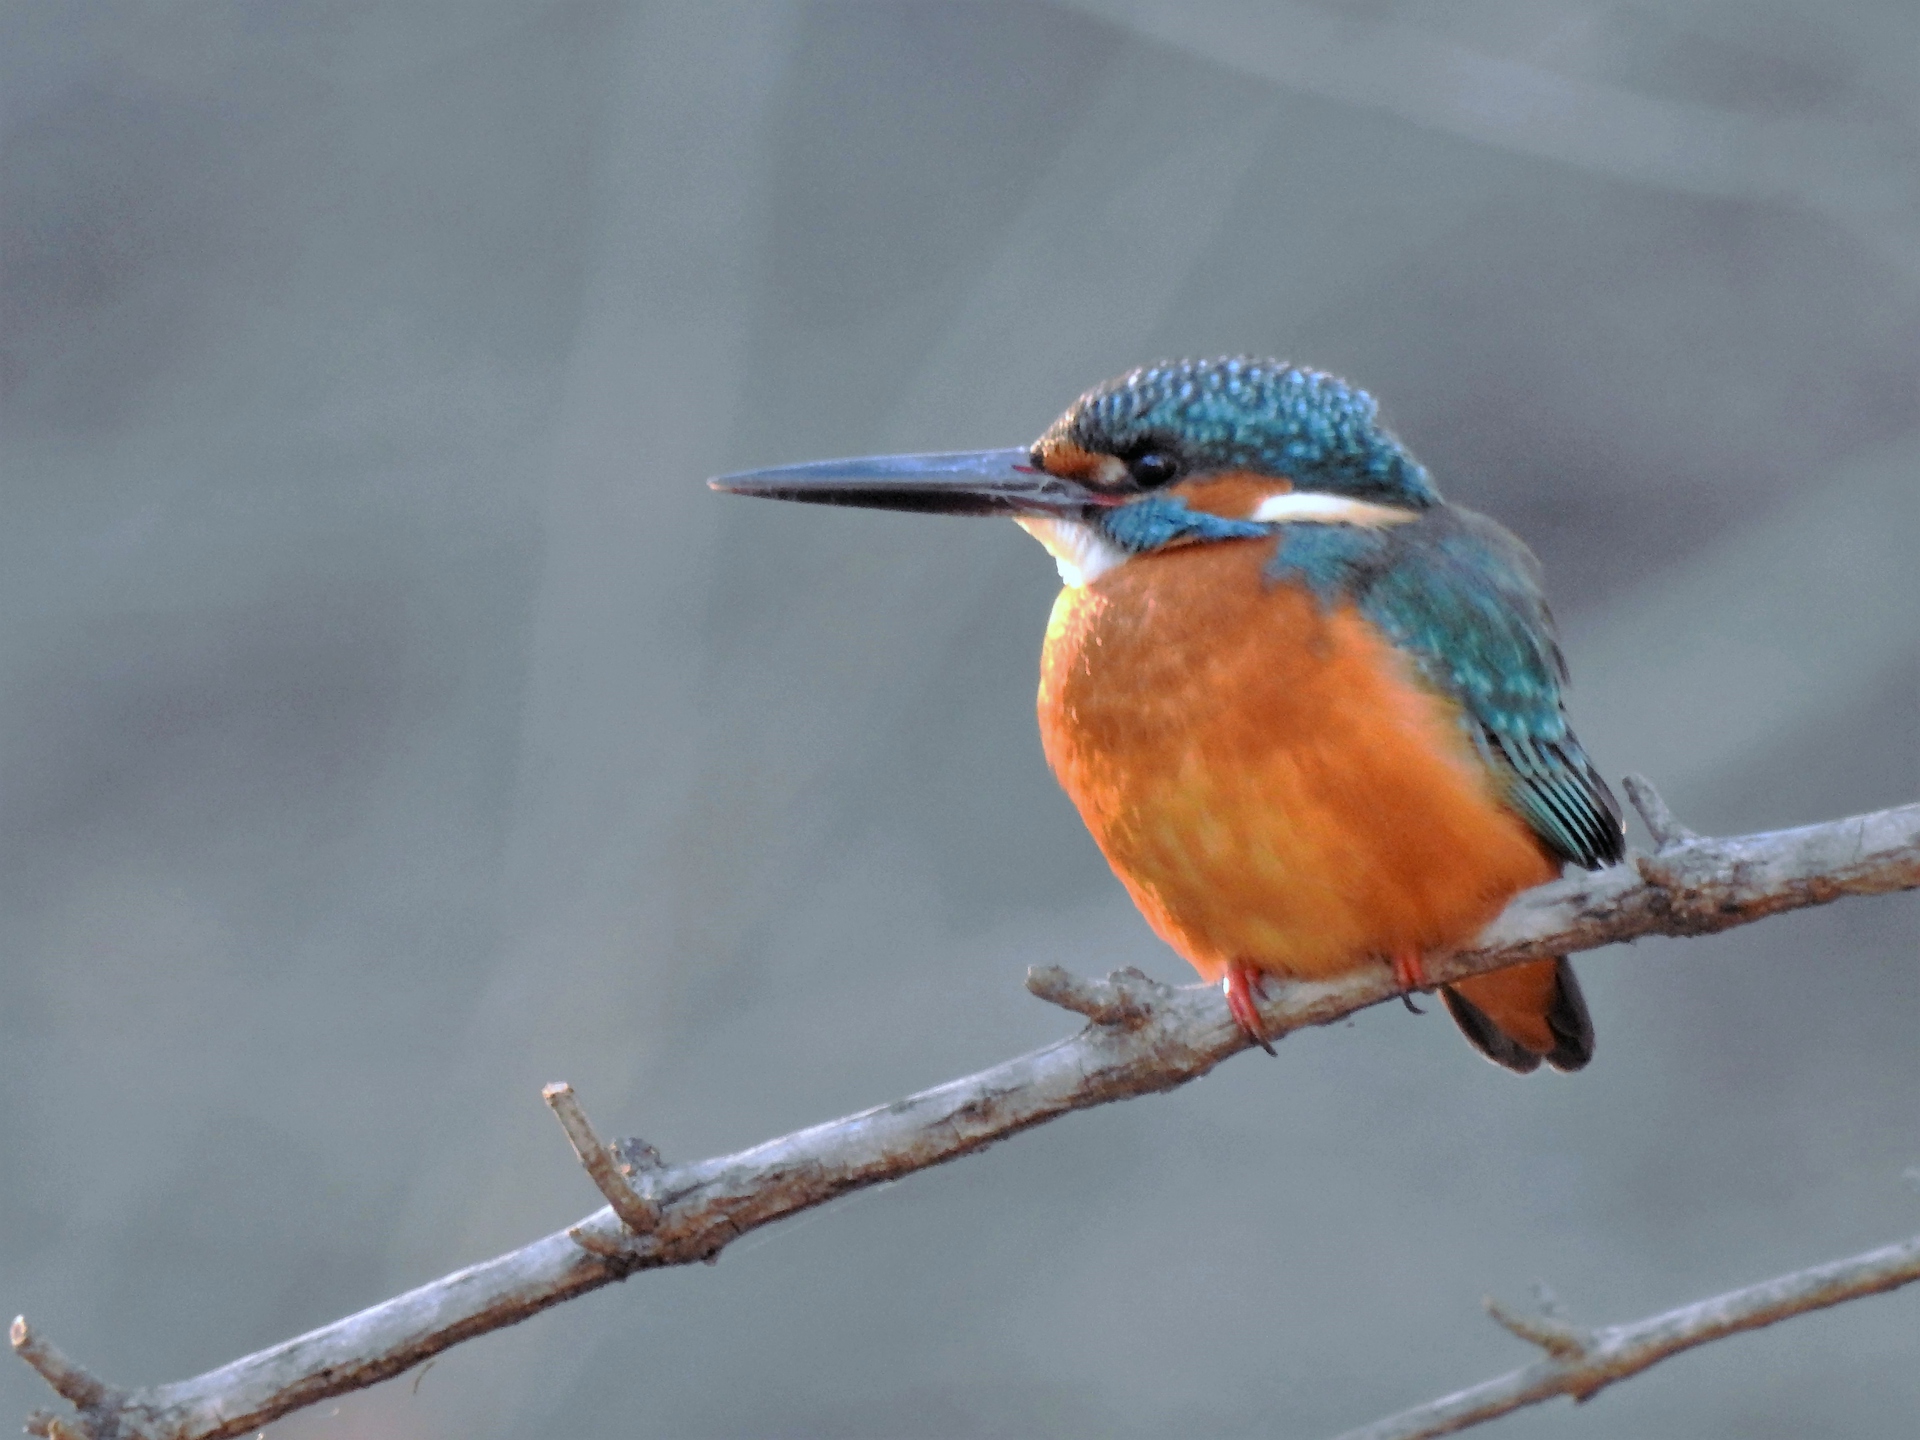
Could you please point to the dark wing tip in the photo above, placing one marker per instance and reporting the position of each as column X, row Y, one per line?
column 1569, row 1021
column 1605, row 833
column 1563, row 797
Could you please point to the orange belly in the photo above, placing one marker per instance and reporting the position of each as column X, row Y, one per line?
column 1266, row 777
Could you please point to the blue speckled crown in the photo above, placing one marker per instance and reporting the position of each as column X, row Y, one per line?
column 1243, row 413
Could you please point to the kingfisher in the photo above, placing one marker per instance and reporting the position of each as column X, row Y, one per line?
column 1311, row 713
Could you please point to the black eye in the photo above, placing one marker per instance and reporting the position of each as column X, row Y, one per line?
column 1151, row 468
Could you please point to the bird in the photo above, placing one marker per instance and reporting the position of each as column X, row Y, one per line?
column 1312, row 713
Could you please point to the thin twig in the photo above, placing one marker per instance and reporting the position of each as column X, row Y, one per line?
column 70, row 1380
column 1667, row 832
column 1699, row 888
column 1549, row 1332
column 634, row 1209
column 1126, row 997
column 1614, row 1353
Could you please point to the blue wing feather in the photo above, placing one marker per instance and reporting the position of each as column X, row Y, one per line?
column 1461, row 596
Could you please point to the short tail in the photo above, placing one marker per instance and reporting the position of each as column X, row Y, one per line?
column 1520, row 1016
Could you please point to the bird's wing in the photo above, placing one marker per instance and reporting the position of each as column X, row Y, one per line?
column 1461, row 597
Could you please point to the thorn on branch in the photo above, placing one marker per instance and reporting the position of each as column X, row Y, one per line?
column 1561, row 1340
column 1668, row 833
column 1126, row 998
column 69, row 1379
column 606, row 1168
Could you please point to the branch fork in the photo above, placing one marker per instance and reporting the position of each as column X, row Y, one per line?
column 1553, row 1334
column 96, row 1400
column 612, row 1168
column 1668, row 833
column 1125, row 1000
column 1667, row 866
column 1581, row 1363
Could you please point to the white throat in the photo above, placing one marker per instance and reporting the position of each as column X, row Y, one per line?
column 1081, row 552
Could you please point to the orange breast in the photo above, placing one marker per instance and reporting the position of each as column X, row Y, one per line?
column 1266, row 777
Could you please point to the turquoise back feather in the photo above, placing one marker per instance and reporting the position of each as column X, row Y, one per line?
column 1461, row 597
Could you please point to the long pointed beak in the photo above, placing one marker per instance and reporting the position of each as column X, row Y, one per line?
column 969, row 482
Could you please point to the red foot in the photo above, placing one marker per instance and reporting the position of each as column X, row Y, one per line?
column 1244, row 986
column 1409, row 972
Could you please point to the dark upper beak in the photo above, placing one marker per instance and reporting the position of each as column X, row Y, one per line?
column 970, row 482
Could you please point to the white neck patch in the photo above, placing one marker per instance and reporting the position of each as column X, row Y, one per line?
column 1081, row 552
column 1318, row 507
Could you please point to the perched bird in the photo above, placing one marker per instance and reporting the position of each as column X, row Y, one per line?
column 1310, row 711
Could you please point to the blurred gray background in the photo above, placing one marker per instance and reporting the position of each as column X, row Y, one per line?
column 392, row 722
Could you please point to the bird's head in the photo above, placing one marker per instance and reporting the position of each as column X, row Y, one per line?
column 1180, row 453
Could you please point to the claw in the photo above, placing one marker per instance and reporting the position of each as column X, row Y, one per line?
column 1243, row 986
column 1409, row 972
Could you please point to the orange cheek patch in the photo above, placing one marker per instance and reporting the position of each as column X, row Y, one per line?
column 1070, row 461
column 1231, row 494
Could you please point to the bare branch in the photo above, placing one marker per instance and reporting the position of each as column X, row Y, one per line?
column 634, row 1209
column 1177, row 1035
column 1614, row 1353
